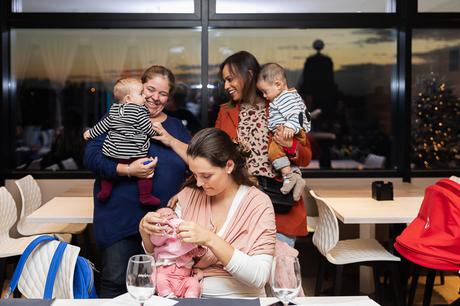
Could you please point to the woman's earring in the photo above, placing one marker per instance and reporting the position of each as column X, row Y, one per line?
column 229, row 171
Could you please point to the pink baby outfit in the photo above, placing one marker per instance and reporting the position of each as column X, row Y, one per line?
column 174, row 260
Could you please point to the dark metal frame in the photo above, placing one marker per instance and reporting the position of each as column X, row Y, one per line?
column 404, row 21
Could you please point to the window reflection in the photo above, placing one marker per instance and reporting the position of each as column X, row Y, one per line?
column 436, row 6
column 353, row 123
column 303, row 6
column 103, row 6
column 435, row 99
column 64, row 81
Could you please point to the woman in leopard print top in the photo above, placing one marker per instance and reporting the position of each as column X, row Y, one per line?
column 245, row 119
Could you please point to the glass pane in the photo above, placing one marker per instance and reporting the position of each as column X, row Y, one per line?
column 348, row 86
column 303, row 6
column 103, row 6
column 435, row 99
column 63, row 81
column 440, row 6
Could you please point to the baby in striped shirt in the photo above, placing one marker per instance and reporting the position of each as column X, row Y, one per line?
column 129, row 130
column 289, row 115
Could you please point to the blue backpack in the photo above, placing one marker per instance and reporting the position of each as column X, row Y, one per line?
column 83, row 279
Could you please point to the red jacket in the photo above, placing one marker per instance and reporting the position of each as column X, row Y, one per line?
column 293, row 223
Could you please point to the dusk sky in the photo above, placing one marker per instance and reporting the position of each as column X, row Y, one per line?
column 104, row 54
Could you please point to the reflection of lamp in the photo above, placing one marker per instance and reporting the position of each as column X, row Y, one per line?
column 374, row 161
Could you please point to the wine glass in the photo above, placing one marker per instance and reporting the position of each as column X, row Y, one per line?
column 140, row 277
column 285, row 279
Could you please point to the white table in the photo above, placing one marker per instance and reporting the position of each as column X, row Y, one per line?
column 367, row 212
column 320, row 300
column 64, row 210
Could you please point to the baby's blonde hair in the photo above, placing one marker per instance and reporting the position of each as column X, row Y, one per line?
column 124, row 86
column 271, row 72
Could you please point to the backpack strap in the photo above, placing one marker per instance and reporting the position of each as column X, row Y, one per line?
column 22, row 261
column 54, row 266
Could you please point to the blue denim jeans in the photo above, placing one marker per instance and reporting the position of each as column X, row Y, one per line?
column 114, row 262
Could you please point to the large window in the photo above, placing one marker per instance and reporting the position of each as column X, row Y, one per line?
column 380, row 77
column 303, row 6
column 63, row 83
column 345, row 83
column 436, row 99
column 438, row 6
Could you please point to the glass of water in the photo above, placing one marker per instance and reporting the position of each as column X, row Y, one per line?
column 140, row 277
column 285, row 278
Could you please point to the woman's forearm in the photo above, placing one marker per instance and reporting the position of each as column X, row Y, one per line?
column 252, row 270
column 146, row 242
column 123, row 170
column 180, row 148
column 221, row 249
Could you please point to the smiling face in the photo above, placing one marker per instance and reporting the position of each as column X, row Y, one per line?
column 156, row 92
column 233, row 83
column 214, row 180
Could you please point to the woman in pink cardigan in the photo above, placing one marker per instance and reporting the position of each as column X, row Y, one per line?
column 224, row 213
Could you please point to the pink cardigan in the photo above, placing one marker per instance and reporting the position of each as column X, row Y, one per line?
column 251, row 230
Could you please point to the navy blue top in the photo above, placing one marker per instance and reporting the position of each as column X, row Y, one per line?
column 119, row 216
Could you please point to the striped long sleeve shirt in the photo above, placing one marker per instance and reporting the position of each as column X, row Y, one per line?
column 128, row 129
column 287, row 109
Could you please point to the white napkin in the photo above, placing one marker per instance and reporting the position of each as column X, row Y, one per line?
column 127, row 299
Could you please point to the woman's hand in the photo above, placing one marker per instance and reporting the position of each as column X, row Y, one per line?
column 278, row 137
column 143, row 167
column 173, row 202
column 168, row 140
column 193, row 233
column 151, row 224
column 162, row 134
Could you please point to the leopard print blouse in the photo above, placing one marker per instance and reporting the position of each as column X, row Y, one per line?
column 253, row 132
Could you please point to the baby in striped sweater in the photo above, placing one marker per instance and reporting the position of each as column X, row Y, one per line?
column 289, row 115
column 129, row 130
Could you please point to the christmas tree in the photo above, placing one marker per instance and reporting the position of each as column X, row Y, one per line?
column 435, row 126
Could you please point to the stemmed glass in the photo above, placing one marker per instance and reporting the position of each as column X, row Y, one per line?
column 285, row 279
column 140, row 277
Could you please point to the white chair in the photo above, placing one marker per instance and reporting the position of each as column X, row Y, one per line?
column 31, row 200
column 10, row 247
column 312, row 211
column 350, row 251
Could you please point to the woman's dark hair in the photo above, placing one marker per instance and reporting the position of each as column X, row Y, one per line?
column 245, row 65
column 157, row 70
column 215, row 146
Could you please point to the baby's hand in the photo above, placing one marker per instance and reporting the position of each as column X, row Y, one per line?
column 167, row 229
column 288, row 133
column 86, row 135
column 198, row 273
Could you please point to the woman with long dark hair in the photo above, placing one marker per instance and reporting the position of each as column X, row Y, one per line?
column 224, row 213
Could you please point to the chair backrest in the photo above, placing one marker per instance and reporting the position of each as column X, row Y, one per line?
column 8, row 213
column 326, row 234
column 312, row 211
column 30, row 194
